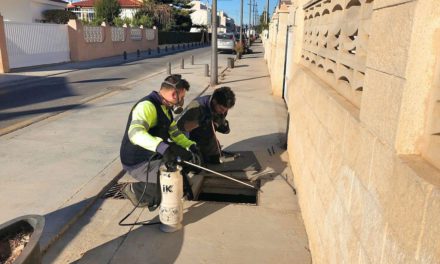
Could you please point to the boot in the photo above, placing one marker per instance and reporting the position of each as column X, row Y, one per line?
column 133, row 192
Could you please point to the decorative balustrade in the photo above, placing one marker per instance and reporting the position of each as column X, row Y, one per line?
column 136, row 33
column 150, row 34
column 93, row 34
column 336, row 34
column 118, row 33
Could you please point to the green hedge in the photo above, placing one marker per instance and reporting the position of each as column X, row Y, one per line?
column 166, row 37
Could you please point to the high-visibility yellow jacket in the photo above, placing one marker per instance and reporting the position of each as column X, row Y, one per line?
column 150, row 123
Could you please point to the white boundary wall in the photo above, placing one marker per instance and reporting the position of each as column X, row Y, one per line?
column 31, row 44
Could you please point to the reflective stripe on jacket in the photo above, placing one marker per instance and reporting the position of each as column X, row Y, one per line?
column 149, row 123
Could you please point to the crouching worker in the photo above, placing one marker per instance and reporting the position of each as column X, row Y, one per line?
column 203, row 117
column 151, row 138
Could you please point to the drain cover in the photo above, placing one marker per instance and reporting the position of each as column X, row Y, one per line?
column 228, row 198
column 215, row 189
column 114, row 192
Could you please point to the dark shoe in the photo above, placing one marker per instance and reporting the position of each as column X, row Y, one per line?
column 133, row 192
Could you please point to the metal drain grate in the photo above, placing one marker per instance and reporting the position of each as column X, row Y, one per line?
column 228, row 198
column 216, row 189
column 114, row 192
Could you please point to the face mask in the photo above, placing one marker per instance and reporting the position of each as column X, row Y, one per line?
column 178, row 108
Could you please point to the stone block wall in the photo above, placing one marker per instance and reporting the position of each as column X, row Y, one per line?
column 366, row 167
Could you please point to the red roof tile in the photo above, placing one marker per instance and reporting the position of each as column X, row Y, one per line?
column 123, row 3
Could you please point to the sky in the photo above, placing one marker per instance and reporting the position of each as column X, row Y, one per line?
column 232, row 8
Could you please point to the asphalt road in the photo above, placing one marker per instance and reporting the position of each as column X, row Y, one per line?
column 43, row 96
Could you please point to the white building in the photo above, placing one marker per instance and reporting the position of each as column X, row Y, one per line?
column 201, row 15
column 28, row 11
column 225, row 23
column 84, row 9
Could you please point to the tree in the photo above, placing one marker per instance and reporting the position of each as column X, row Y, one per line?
column 263, row 25
column 107, row 10
column 181, row 20
column 58, row 16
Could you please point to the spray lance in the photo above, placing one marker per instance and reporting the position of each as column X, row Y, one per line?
column 179, row 160
column 171, row 187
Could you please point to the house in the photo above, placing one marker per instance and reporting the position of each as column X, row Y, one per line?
column 225, row 23
column 201, row 15
column 84, row 9
column 28, row 11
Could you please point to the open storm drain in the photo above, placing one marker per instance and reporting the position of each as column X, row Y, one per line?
column 216, row 189
column 115, row 191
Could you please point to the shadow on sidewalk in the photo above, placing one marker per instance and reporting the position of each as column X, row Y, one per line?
column 99, row 80
column 8, row 116
column 243, row 80
column 147, row 244
column 48, row 89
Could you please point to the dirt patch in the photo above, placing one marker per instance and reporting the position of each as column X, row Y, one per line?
column 12, row 243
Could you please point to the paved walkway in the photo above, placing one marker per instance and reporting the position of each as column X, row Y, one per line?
column 57, row 166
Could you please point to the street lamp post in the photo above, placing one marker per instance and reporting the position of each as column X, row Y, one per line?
column 214, row 62
column 241, row 22
column 267, row 12
column 249, row 30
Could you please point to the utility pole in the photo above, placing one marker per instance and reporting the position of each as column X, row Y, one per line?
column 267, row 12
column 214, row 62
column 250, row 26
column 255, row 14
column 241, row 22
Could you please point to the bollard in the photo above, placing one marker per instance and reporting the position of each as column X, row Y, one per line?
column 124, row 55
column 182, row 63
column 231, row 63
column 169, row 68
column 172, row 47
column 138, row 53
column 178, row 46
column 158, row 49
column 166, row 48
column 192, row 59
column 206, row 70
column 149, row 51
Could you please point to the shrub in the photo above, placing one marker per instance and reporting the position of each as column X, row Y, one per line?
column 239, row 48
column 58, row 16
column 117, row 21
column 145, row 21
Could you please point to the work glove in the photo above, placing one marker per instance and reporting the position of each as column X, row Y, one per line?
column 197, row 156
column 172, row 153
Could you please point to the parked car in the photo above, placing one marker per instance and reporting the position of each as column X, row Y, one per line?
column 226, row 42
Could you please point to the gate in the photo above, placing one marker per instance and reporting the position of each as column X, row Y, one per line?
column 31, row 44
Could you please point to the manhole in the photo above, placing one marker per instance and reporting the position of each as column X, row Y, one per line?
column 115, row 191
column 215, row 189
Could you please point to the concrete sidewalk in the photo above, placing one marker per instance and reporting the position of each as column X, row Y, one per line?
column 57, row 166
column 214, row 232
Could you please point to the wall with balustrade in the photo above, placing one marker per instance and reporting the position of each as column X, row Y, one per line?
column 364, row 127
column 92, row 42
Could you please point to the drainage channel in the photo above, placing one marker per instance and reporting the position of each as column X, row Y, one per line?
column 212, row 189
column 216, row 189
